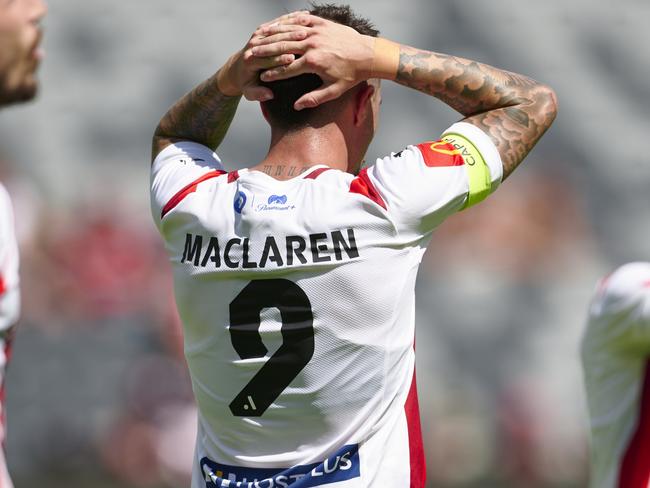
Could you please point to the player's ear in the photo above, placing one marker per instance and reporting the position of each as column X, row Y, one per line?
column 363, row 102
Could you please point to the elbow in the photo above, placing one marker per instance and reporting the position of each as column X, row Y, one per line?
column 546, row 104
column 159, row 132
column 159, row 141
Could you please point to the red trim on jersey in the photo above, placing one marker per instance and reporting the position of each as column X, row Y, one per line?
column 602, row 285
column 635, row 468
column 316, row 173
column 416, row 450
column 7, row 352
column 363, row 186
column 3, row 285
column 233, row 176
column 187, row 189
column 440, row 154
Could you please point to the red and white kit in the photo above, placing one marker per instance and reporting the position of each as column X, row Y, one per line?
column 616, row 360
column 297, row 299
column 9, row 308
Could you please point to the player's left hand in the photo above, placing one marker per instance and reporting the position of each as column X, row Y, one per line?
column 340, row 55
column 240, row 75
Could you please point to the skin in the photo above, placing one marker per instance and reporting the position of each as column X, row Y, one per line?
column 204, row 114
column 20, row 36
column 512, row 109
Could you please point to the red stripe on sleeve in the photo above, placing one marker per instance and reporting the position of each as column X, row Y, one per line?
column 635, row 468
column 7, row 352
column 316, row 173
column 416, row 450
column 233, row 176
column 602, row 284
column 363, row 186
column 440, row 154
column 188, row 189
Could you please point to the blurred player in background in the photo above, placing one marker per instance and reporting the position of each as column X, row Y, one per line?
column 20, row 55
column 295, row 278
column 616, row 361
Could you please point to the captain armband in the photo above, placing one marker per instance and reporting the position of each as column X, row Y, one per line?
column 478, row 171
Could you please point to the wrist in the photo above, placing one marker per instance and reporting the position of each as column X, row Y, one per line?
column 226, row 81
column 385, row 59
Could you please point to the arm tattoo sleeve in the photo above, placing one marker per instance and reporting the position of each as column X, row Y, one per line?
column 203, row 115
column 512, row 109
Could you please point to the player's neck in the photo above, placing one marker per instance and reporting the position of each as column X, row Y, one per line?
column 292, row 153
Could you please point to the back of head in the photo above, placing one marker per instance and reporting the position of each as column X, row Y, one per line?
column 285, row 92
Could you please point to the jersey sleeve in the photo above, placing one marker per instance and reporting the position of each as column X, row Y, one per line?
column 177, row 166
column 621, row 306
column 9, row 278
column 425, row 183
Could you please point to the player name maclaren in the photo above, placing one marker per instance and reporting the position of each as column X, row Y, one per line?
column 237, row 253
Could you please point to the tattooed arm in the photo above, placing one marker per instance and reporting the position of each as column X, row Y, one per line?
column 205, row 113
column 512, row 109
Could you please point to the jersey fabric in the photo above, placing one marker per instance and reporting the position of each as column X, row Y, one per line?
column 616, row 360
column 9, row 308
column 297, row 300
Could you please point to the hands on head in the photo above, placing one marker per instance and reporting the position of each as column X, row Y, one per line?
column 299, row 43
column 240, row 75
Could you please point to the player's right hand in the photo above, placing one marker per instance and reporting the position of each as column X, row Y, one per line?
column 340, row 55
column 240, row 74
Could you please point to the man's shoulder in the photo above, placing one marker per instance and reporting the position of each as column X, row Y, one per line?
column 621, row 300
column 626, row 280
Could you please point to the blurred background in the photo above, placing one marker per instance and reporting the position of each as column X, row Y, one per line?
column 98, row 393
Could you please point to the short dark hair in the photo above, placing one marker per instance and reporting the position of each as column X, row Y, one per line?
column 286, row 92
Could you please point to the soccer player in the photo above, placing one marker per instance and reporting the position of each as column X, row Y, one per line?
column 20, row 36
column 616, row 361
column 295, row 278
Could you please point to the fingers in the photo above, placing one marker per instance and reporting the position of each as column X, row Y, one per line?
column 304, row 19
column 286, row 33
column 278, row 29
column 278, row 48
column 284, row 18
column 253, row 90
column 257, row 93
column 283, row 72
column 320, row 96
column 274, row 62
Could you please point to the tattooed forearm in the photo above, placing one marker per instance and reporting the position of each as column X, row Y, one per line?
column 516, row 131
column 203, row 115
column 513, row 109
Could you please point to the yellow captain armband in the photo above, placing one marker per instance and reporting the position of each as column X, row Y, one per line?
column 478, row 172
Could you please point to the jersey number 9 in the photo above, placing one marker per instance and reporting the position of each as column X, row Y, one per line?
column 291, row 357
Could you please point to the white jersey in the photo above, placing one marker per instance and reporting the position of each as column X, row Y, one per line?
column 9, row 307
column 297, row 300
column 616, row 360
